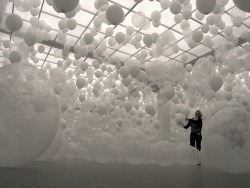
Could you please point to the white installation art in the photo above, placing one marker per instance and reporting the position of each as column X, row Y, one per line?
column 122, row 90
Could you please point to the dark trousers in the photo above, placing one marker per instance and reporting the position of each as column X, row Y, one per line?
column 195, row 140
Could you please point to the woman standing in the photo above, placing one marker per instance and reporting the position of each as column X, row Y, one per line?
column 196, row 126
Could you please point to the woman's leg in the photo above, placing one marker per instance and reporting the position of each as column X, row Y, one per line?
column 198, row 141
column 192, row 139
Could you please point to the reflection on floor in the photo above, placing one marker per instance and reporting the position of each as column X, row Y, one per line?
column 74, row 174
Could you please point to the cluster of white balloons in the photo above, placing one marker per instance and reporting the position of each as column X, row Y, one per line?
column 29, row 114
column 108, row 110
column 227, row 140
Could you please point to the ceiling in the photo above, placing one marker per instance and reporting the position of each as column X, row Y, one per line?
column 88, row 13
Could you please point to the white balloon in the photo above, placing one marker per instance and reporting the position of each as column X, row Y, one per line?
column 205, row 28
column 175, row 7
column 185, row 111
column 99, row 4
column 242, row 5
column 163, row 153
column 150, row 109
column 30, row 38
column 71, row 23
column 127, row 105
column 142, row 77
column 119, row 37
column 178, row 18
column 134, row 147
column 168, row 92
column 139, row 19
column 115, row 14
column 189, row 68
column 237, row 16
column 15, row 57
column 176, row 70
column 134, row 70
column 63, row 123
column 202, row 70
column 41, row 49
column 164, row 4
column 23, row 5
column 126, row 81
column 205, row 7
column 186, row 14
column 148, row 40
column 184, row 57
column 83, row 51
column 6, row 43
column 124, row 71
column 213, row 30
column 156, row 15
column 82, row 97
column 36, row 3
column 65, row 6
column 14, row 22
column 179, row 118
column 199, row 15
column 101, row 108
column 208, row 41
column 211, row 19
column 109, row 31
column 88, row 38
column 157, row 124
column 138, row 37
column 197, row 36
column 84, row 65
column 215, row 82
column 156, row 24
column 80, row 82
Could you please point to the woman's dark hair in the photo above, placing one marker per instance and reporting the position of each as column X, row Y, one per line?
column 200, row 114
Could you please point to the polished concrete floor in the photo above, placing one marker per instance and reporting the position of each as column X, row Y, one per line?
column 74, row 174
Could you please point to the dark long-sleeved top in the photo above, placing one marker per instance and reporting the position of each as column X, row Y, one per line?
column 196, row 125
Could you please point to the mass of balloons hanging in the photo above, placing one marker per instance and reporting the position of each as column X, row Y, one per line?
column 107, row 111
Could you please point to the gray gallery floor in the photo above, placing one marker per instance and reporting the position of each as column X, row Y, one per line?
column 74, row 174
